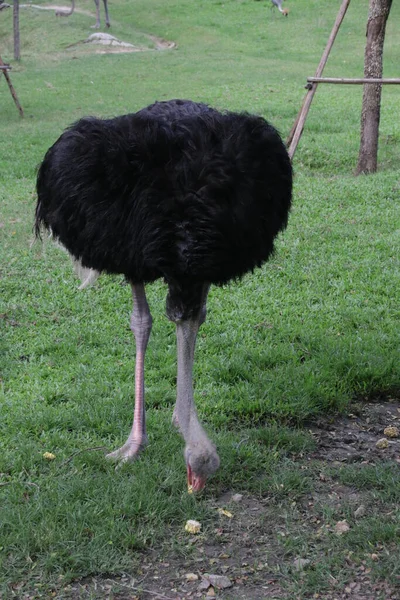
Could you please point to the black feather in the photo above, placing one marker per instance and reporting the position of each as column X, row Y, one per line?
column 177, row 190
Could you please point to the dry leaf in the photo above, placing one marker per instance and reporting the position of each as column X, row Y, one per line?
column 226, row 513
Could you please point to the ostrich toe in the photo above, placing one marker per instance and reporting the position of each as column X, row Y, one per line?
column 128, row 452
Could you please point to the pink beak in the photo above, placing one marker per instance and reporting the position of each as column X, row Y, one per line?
column 195, row 482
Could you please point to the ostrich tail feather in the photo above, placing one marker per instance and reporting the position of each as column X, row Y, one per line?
column 87, row 276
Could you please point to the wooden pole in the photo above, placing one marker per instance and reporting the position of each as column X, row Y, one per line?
column 4, row 69
column 298, row 126
column 17, row 54
column 353, row 81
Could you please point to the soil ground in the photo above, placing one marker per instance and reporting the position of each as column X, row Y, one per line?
column 244, row 549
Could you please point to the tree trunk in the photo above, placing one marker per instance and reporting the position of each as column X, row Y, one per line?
column 17, row 54
column 371, row 106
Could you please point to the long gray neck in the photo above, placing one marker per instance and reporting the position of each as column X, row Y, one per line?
column 185, row 414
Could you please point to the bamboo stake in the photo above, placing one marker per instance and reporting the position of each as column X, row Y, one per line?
column 353, row 81
column 4, row 70
column 298, row 126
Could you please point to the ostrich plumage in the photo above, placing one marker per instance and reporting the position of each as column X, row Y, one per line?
column 178, row 191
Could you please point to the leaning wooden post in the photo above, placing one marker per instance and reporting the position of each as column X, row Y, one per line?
column 298, row 126
column 373, row 67
column 3, row 69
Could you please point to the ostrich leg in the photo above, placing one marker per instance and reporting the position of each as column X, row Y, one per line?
column 97, row 25
column 200, row 454
column 106, row 11
column 141, row 326
column 97, row 3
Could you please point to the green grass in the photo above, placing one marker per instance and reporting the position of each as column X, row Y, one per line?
column 312, row 329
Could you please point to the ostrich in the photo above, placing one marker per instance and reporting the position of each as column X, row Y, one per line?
column 278, row 4
column 178, row 191
column 63, row 13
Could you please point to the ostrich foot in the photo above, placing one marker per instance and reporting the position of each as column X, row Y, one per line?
column 129, row 451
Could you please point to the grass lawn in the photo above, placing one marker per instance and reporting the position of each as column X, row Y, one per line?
column 292, row 345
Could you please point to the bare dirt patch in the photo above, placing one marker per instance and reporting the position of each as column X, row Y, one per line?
column 246, row 548
column 57, row 8
column 354, row 438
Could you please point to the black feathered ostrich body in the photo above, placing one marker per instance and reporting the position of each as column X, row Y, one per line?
column 177, row 191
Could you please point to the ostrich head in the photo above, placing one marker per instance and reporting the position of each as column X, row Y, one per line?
column 285, row 12
column 201, row 461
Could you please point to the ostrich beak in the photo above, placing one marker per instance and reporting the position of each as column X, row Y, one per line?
column 195, row 482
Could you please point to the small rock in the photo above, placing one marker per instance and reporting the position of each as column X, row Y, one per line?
column 360, row 512
column 225, row 568
column 382, row 444
column 220, row 581
column 237, row 497
column 301, row 563
column 192, row 526
column 211, row 592
column 204, row 585
column 191, row 577
column 342, row 527
column 391, row 432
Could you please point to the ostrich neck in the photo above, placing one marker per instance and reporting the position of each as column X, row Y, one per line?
column 185, row 414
